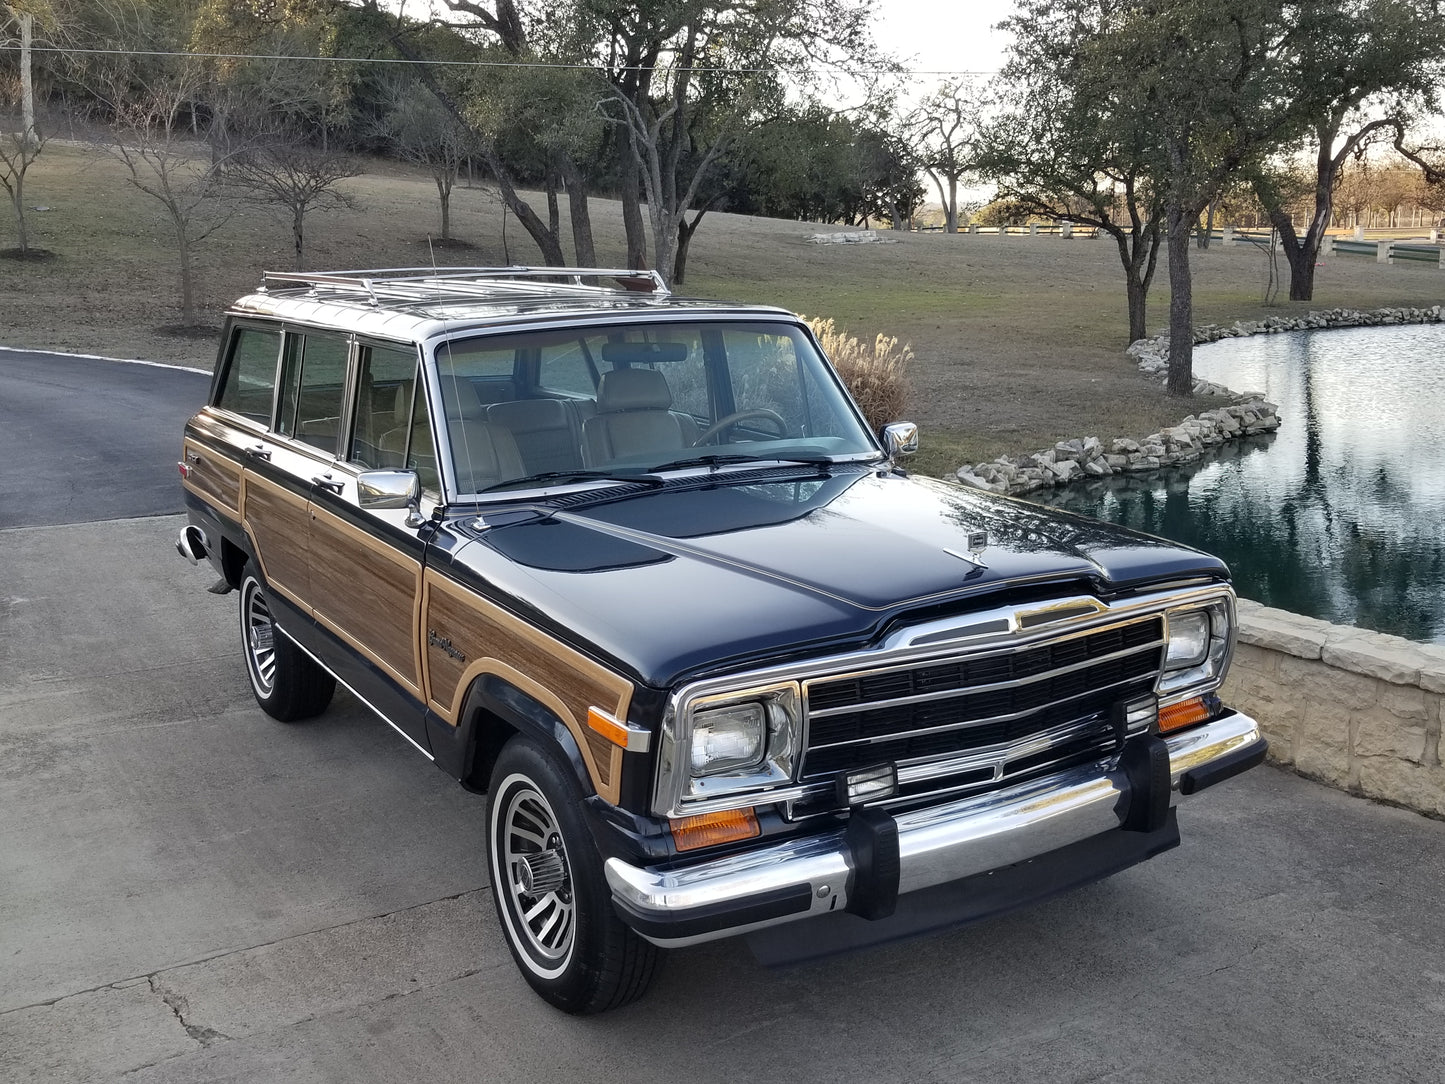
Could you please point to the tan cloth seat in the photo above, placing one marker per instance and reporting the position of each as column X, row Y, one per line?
column 547, row 432
column 393, row 439
column 483, row 454
column 634, row 418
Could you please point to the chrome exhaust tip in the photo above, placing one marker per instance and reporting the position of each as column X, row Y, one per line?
column 193, row 543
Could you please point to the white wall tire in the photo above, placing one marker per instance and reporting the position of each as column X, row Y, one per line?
column 287, row 683
column 550, row 894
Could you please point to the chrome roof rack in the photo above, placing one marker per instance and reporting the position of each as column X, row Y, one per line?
column 427, row 284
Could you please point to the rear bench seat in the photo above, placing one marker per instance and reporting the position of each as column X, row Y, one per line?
column 547, row 432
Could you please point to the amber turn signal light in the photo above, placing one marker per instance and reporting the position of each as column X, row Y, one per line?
column 607, row 726
column 707, row 829
column 1185, row 713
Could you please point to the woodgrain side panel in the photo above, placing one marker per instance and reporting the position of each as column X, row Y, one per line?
column 366, row 592
column 467, row 637
column 213, row 477
column 279, row 525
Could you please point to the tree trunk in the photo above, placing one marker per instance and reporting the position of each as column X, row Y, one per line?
column 664, row 240
column 685, row 230
column 188, row 288
column 1139, row 253
column 554, row 210
column 580, row 213
column 298, row 215
column 546, row 240
column 1181, row 302
column 27, row 77
column 632, row 215
column 1302, row 262
column 17, row 200
column 950, row 212
column 1207, row 234
column 444, row 197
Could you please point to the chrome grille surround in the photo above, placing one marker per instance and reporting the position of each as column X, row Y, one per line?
column 992, row 705
column 1068, row 728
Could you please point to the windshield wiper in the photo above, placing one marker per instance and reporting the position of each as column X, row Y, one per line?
column 574, row 476
column 724, row 460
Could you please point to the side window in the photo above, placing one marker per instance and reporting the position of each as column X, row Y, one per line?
column 490, row 371
column 383, row 406
column 250, row 378
column 421, row 453
column 565, row 367
column 313, row 385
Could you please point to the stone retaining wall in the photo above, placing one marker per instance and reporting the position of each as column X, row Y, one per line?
column 1358, row 710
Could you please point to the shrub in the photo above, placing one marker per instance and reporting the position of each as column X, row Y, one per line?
column 876, row 377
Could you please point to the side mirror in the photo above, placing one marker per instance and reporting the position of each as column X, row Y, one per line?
column 391, row 489
column 900, row 439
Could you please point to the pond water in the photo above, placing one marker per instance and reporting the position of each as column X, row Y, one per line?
column 1340, row 514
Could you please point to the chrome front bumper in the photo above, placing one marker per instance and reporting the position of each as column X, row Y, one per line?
column 803, row 878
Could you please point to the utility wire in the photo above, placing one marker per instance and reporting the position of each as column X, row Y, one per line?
column 839, row 69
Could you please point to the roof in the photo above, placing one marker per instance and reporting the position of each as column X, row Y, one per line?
column 416, row 304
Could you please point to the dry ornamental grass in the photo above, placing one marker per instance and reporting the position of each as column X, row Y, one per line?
column 876, row 377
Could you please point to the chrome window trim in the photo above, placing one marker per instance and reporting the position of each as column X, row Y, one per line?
column 896, row 653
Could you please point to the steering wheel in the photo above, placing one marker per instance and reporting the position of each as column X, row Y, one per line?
column 738, row 415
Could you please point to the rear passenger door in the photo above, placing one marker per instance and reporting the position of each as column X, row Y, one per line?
column 280, row 463
column 366, row 563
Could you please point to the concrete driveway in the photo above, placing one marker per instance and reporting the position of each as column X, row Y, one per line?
column 190, row 891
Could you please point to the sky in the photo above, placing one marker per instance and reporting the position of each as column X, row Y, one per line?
column 944, row 35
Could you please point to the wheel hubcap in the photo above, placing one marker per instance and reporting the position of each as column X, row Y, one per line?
column 539, row 878
column 260, row 641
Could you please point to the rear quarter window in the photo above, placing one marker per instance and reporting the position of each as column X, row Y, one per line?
column 249, row 380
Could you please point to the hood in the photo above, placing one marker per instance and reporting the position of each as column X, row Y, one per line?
column 690, row 579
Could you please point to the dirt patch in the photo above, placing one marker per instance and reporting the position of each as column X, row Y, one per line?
column 194, row 332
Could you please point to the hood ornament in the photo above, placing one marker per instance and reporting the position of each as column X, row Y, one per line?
column 977, row 542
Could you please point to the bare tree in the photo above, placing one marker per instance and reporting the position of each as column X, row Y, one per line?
column 19, row 149
column 149, row 126
column 287, row 172
column 946, row 126
column 424, row 132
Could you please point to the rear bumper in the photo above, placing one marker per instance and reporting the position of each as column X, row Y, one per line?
column 862, row 870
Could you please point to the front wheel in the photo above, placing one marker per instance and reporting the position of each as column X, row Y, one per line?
column 287, row 683
column 550, row 892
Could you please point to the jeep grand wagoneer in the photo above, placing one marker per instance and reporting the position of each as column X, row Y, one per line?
column 635, row 567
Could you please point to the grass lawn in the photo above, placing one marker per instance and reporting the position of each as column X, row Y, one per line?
column 1019, row 340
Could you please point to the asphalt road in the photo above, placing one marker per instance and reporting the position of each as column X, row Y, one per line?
column 192, row 892
column 84, row 439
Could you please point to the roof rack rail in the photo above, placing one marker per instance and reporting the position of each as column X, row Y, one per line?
column 432, row 283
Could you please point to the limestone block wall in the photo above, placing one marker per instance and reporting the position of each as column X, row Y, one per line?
column 1356, row 709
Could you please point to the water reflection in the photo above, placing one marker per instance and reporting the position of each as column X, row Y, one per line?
column 1341, row 513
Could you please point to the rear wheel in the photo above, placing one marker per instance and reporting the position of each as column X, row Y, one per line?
column 287, row 683
column 550, row 891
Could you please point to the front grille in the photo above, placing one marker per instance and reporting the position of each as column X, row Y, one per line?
column 981, row 702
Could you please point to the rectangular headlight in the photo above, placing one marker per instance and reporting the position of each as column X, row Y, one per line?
column 1200, row 642
column 1188, row 639
column 728, row 739
column 720, row 749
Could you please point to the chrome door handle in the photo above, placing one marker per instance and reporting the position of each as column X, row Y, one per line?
column 259, row 451
column 328, row 483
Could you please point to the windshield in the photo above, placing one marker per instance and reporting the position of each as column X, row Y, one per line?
column 627, row 400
